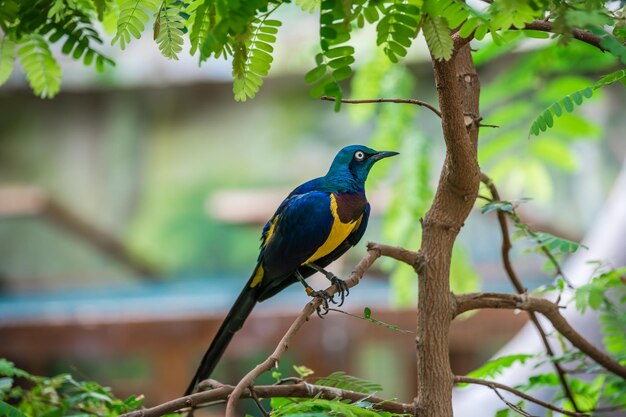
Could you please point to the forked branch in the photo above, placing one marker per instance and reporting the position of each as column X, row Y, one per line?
column 548, row 309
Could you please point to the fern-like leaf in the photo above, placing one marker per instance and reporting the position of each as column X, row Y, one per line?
column 79, row 36
column 202, row 18
column 7, row 58
column 567, row 104
column 42, row 70
column 342, row 380
column 397, row 29
column 438, row 37
column 496, row 366
column 132, row 19
column 335, row 60
column 168, row 30
column 252, row 58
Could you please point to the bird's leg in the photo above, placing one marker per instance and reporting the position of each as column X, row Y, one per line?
column 342, row 288
column 323, row 295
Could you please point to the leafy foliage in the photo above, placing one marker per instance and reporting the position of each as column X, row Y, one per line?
column 252, row 58
column 321, row 408
column 348, row 382
column 546, row 119
column 132, row 19
column 42, row 70
column 438, row 37
column 60, row 395
column 496, row 366
column 333, row 62
column 168, row 29
column 338, row 406
column 397, row 29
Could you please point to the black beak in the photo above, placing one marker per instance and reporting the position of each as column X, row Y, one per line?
column 383, row 154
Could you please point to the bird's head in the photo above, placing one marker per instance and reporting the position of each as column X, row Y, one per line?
column 355, row 162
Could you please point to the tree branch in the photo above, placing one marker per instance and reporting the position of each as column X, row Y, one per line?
column 543, row 26
column 550, row 310
column 495, row 386
column 387, row 100
column 510, row 271
column 298, row 390
column 581, row 35
column 374, row 252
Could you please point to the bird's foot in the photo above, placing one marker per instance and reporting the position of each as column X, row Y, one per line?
column 322, row 309
column 342, row 290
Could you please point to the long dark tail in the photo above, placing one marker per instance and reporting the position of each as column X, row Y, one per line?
column 237, row 315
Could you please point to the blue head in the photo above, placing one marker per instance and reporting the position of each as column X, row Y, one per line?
column 352, row 164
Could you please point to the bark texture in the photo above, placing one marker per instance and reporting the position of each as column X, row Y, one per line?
column 458, row 91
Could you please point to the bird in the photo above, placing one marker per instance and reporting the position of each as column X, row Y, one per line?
column 316, row 224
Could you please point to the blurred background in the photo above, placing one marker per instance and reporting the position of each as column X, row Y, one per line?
column 131, row 206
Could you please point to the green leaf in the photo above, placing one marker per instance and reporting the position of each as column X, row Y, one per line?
column 397, row 29
column 505, row 206
column 367, row 312
column 7, row 58
column 252, row 59
column 303, row 371
column 7, row 410
column 545, row 120
column 438, row 37
column 496, row 366
column 554, row 243
column 132, row 18
column 169, row 35
column 315, row 74
column 42, row 70
column 537, row 34
column 348, row 382
column 468, row 27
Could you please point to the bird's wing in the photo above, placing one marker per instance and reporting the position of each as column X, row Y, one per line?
column 300, row 226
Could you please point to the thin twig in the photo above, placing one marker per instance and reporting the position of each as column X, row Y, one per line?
column 387, row 100
column 512, row 406
column 373, row 253
column 510, row 271
column 496, row 385
column 255, row 397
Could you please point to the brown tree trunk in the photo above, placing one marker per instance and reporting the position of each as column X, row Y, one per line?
column 458, row 90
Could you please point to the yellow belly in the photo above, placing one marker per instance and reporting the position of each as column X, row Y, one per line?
column 338, row 233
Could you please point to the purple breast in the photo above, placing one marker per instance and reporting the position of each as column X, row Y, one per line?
column 350, row 206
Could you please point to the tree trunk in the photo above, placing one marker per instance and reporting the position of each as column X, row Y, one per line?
column 458, row 90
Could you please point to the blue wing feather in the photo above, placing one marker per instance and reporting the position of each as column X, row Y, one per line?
column 302, row 225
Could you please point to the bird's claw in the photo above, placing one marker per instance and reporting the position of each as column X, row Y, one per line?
column 342, row 290
column 322, row 309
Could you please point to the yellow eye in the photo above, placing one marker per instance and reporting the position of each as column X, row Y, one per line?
column 359, row 155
